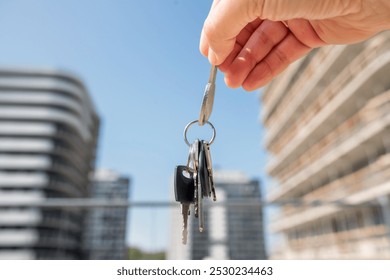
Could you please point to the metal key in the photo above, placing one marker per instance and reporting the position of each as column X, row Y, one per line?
column 203, row 184
column 208, row 97
column 184, row 193
column 193, row 166
column 203, row 172
column 209, row 164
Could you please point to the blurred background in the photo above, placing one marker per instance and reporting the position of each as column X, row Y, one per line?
column 94, row 98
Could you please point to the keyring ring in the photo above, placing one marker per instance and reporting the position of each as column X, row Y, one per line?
column 196, row 121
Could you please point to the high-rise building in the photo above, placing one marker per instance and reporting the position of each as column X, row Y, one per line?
column 48, row 135
column 328, row 133
column 105, row 236
column 232, row 232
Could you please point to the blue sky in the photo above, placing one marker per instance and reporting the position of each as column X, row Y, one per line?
column 141, row 63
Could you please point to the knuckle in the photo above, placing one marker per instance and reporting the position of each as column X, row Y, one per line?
column 281, row 57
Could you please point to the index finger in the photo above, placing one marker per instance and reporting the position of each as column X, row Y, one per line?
column 224, row 22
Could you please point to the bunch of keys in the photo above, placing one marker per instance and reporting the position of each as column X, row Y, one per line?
column 194, row 181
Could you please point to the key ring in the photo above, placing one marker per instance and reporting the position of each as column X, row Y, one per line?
column 196, row 121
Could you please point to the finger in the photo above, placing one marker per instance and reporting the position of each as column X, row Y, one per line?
column 223, row 24
column 203, row 45
column 304, row 30
column 262, row 41
column 241, row 40
column 289, row 50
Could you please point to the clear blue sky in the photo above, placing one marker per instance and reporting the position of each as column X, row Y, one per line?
column 141, row 64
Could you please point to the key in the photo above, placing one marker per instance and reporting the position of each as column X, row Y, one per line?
column 200, row 209
column 193, row 164
column 210, row 168
column 203, row 172
column 184, row 193
column 202, row 184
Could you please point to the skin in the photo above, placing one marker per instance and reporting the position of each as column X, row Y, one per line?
column 252, row 41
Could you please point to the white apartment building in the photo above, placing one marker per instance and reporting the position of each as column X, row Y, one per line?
column 48, row 134
column 328, row 134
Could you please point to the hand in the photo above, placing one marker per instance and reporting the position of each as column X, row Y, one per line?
column 253, row 41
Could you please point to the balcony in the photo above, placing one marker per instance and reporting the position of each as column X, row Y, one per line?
column 363, row 243
column 369, row 177
column 328, row 118
column 330, row 93
column 364, row 144
column 377, row 108
column 308, row 88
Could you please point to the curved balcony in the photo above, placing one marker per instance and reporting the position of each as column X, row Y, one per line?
column 27, row 128
column 45, row 114
column 23, row 179
column 34, row 217
column 19, row 145
column 38, row 180
column 36, row 98
column 53, row 73
column 41, row 84
column 43, row 163
column 18, row 237
column 20, row 83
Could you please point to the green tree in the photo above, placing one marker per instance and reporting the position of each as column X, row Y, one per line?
column 137, row 254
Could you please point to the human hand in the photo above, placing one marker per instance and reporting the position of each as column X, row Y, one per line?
column 253, row 41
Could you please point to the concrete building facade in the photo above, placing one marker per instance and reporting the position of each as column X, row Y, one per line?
column 232, row 233
column 328, row 134
column 48, row 133
column 105, row 236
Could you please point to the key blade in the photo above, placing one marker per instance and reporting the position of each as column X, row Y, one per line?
column 185, row 208
column 184, row 235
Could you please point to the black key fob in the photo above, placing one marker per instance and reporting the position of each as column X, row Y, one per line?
column 184, row 185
